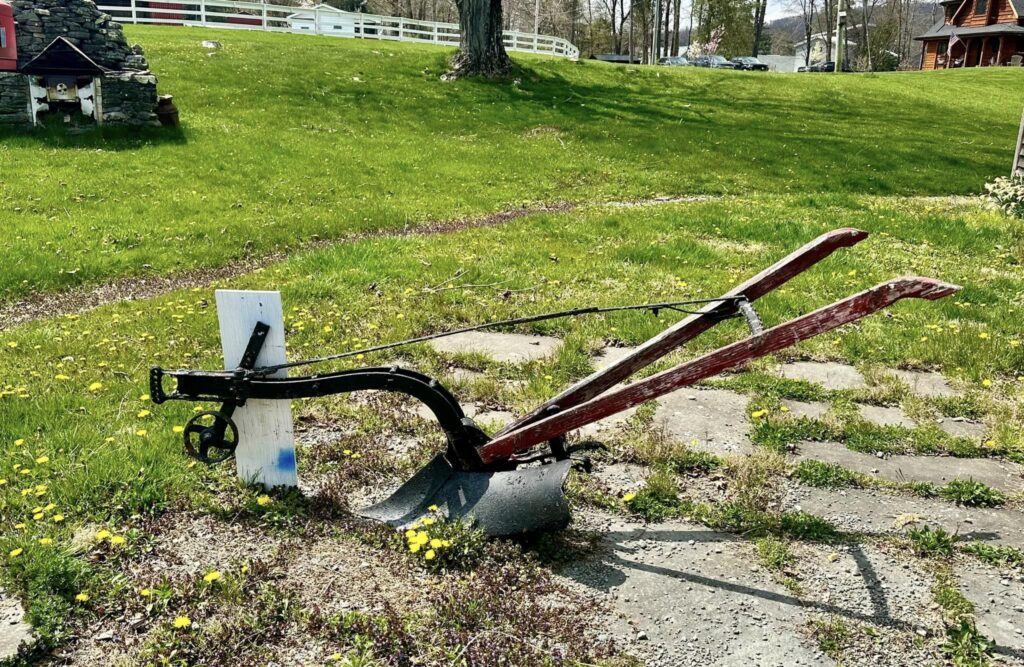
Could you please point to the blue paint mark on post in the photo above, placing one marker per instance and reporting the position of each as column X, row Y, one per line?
column 286, row 459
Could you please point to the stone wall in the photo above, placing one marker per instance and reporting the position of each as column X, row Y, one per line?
column 129, row 98
column 14, row 101
column 39, row 22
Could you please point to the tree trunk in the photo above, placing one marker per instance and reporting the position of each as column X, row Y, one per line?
column 760, row 9
column 481, row 50
column 675, row 26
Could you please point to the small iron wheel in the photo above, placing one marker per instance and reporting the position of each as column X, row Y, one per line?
column 211, row 437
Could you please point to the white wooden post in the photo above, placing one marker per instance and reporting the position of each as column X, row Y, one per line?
column 202, row 12
column 401, row 29
column 134, row 13
column 316, row 20
column 265, row 15
column 266, row 440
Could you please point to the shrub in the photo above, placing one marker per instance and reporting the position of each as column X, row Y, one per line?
column 971, row 493
column 1007, row 194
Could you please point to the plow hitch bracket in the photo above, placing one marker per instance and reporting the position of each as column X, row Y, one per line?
column 502, row 481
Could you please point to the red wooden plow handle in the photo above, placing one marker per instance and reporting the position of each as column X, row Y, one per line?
column 692, row 326
column 777, row 338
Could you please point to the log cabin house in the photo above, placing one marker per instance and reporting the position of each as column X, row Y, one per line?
column 984, row 33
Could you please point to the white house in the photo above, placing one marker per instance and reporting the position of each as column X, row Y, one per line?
column 817, row 47
column 324, row 20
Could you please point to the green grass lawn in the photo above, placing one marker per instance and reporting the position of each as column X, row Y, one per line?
column 289, row 138
column 73, row 393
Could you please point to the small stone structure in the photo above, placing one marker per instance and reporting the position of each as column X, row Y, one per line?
column 124, row 93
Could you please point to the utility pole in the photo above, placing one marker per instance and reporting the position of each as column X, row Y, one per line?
column 841, row 54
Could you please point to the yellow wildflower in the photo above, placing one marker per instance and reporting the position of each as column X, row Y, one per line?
column 414, row 547
column 145, row 592
column 182, row 622
column 19, row 442
column 212, row 576
column 45, row 541
column 117, row 540
column 57, row 518
column 141, row 433
column 429, row 555
column 435, row 543
column 95, row 386
column 143, row 414
column 986, row 382
column 629, row 496
column 42, row 459
column 14, row 553
column 82, row 597
column 432, row 508
column 264, row 500
column 757, row 414
column 178, row 429
column 102, row 535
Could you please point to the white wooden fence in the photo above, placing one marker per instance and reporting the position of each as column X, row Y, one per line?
column 319, row 20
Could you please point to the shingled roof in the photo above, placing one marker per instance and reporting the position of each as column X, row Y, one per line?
column 941, row 30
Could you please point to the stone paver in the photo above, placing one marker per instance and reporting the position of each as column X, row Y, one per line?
column 829, row 374
column 998, row 599
column 801, row 409
column 502, row 347
column 13, row 630
column 885, row 416
column 475, row 412
column 609, row 356
column 606, row 426
column 924, row 383
column 876, row 512
column 1001, row 475
column 465, row 375
column 683, row 595
column 866, row 583
column 621, row 477
column 962, row 428
column 715, row 418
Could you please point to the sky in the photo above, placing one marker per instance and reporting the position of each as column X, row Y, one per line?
column 776, row 10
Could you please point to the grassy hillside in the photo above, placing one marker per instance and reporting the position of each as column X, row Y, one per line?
column 289, row 138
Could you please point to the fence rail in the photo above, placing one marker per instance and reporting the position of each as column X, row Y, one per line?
column 319, row 20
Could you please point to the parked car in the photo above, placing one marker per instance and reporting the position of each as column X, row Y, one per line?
column 674, row 61
column 750, row 64
column 714, row 62
column 825, row 66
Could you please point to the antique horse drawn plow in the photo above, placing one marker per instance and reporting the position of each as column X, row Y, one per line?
column 511, row 481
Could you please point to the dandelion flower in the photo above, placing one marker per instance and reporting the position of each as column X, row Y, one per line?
column 143, row 413
column 141, row 432
column 986, row 382
column 82, row 597
column 57, row 518
column 414, row 547
column 430, row 554
column 95, row 386
column 45, row 541
column 14, row 553
column 37, row 516
column 983, row 335
column 182, row 622
column 212, row 576
column 629, row 496
column 178, row 429
column 144, row 397
column 264, row 500
column 102, row 535
column 410, row 534
column 145, row 592
column 427, row 521
column 432, row 508
column 42, row 459
column 19, row 442
column 757, row 414
column 117, row 540
column 435, row 543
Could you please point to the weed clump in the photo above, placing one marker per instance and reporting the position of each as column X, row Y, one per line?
column 935, row 542
column 971, row 493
